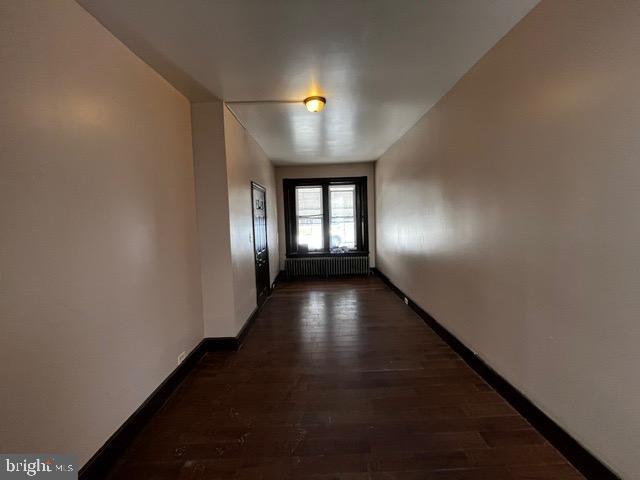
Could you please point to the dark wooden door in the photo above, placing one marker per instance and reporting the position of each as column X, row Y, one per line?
column 261, row 249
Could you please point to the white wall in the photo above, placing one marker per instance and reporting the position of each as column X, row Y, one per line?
column 246, row 162
column 212, row 196
column 362, row 169
column 227, row 159
column 509, row 213
column 100, row 280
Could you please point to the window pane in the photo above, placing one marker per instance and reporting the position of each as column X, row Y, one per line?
column 342, row 216
column 309, row 217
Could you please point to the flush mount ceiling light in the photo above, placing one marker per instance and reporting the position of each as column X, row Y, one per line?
column 315, row 103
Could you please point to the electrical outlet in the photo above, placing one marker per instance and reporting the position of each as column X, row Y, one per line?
column 181, row 357
column 406, row 300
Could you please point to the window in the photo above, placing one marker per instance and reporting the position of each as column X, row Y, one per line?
column 326, row 216
column 342, row 210
column 309, row 218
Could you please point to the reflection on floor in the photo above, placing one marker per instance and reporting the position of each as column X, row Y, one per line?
column 338, row 379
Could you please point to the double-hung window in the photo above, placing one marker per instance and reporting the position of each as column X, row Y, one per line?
column 326, row 215
column 342, row 216
column 310, row 218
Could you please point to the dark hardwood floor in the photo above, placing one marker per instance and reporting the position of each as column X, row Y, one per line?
column 338, row 379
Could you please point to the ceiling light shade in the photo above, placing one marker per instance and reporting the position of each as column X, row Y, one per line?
column 315, row 103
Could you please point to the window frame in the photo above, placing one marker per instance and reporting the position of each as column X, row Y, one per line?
column 291, row 225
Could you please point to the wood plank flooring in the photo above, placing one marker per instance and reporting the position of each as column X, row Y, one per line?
column 338, row 379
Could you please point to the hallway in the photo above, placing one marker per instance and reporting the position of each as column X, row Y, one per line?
column 338, row 379
column 164, row 163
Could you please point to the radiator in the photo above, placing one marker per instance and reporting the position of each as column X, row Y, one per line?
column 327, row 266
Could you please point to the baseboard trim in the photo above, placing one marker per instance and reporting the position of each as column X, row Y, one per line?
column 101, row 463
column 103, row 460
column 573, row 451
column 242, row 334
column 217, row 344
column 279, row 278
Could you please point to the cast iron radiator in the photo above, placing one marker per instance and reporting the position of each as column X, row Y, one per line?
column 327, row 266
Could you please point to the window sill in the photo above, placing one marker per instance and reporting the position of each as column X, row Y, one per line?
column 353, row 253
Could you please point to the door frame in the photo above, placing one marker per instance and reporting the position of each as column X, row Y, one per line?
column 253, row 231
